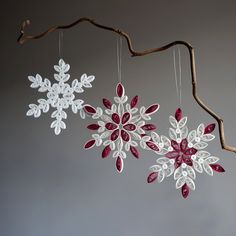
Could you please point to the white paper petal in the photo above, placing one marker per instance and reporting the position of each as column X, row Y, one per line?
column 172, row 134
column 191, row 172
column 173, row 121
column 203, row 154
column 200, row 130
column 155, row 137
column 162, row 160
column 169, row 171
column 197, row 166
column 192, row 136
column 165, row 140
column 180, row 182
column 207, row 168
column 200, row 145
column 161, row 176
column 182, row 122
column 155, row 168
column 177, row 173
column 212, row 160
column 184, row 132
column 208, row 137
column 105, row 134
column 190, row 183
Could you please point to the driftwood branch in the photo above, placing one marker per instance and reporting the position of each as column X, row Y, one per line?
column 24, row 38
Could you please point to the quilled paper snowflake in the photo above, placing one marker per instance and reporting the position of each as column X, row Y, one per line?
column 183, row 154
column 60, row 95
column 121, row 127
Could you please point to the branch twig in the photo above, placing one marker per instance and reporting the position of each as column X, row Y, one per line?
column 24, row 38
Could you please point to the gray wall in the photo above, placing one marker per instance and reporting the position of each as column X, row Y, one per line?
column 49, row 185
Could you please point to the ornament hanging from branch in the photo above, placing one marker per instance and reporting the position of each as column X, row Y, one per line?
column 121, row 127
column 183, row 154
column 60, row 95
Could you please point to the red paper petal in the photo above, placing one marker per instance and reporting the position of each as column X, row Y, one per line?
column 178, row 114
column 111, row 126
column 153, row 108
column 120, row 90
column 183, row 145
column 148, row 127
column 134, row 151
column 89, row 109
column 210, row 128
column 172, row 154
column 115, row 135
column 106, row 103
column 153, row 146
column 89, row 144
column 125, row 117
column 185, row 190
column 152, row 177
column 115, row 117
column 125, row 136
column 187, row 160
column 190, row 151
column 106, row 151
column 217, row 167
column 130, row 127
column 175, row 145
column 178, row 161
column 119, row 164
column 134, row 101
column 93, row 126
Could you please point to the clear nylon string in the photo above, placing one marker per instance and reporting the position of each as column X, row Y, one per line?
column 178, row 78
column 119, row 56
column 60, row 44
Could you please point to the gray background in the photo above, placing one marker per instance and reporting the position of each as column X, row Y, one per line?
column 49, row 185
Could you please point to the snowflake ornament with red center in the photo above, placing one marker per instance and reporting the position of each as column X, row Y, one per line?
column 60, row 95
column 183, row 154
column 121, row 127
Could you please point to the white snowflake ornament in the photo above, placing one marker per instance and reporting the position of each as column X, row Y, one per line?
column 60, row 95
column 183, row 154
column 121, row 127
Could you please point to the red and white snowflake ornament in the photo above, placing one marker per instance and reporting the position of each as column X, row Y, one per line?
column 183, row 154
column 121, row 127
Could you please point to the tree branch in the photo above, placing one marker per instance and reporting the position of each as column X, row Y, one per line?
column 24, row 38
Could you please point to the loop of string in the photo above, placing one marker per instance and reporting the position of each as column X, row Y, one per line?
column 178, row 78
column 60, row 44
column 119, row 56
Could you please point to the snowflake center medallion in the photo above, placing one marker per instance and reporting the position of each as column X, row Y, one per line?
column 121, row 127
column 60, row 95
column 183, row 154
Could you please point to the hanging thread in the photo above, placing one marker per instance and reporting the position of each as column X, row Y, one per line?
column 178, row 79
column 60, row 44
column 119, row 56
